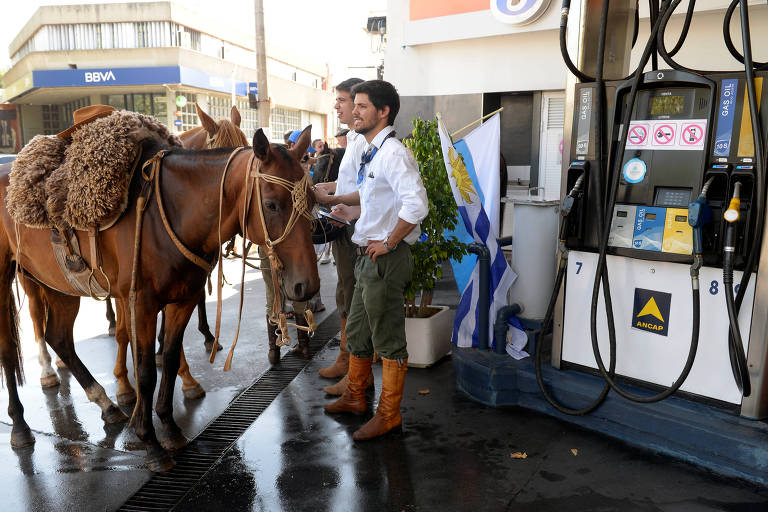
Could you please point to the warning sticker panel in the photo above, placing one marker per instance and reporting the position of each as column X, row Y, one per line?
column 666, row 135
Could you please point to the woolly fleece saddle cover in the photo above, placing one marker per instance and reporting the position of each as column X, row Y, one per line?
column 85, row 182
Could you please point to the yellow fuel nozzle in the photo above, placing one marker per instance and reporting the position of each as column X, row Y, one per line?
column 733, row 213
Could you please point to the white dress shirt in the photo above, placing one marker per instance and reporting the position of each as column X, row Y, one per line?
column 346, row 182
column 391, row 190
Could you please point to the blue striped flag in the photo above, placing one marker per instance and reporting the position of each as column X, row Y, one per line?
column 478, row 154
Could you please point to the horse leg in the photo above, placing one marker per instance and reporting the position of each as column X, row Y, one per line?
column 160, row 340
column 157, row 459
column 177, row 316
column 62, row 311
column 189, row 385
column 110, row 317
column 10, row 358
column 38, row 311
column 203, row 327
column 125, row 392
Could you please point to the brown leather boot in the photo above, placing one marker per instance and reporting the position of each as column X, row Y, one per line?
column 353, row 399
column 387, row 415
column 274, row 350
column 302, row 349
column 341, row 366
column 341, row 386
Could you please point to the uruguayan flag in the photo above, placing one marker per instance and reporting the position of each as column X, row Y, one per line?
column 478, row 154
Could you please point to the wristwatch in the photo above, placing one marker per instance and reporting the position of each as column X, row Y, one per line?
column 389, row 249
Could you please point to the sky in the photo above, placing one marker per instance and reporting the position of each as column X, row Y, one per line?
column 331, row 30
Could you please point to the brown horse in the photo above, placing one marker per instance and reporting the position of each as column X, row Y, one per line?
column 205, row 202
column 211, row 135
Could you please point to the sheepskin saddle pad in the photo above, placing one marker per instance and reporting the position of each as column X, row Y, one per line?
column 83, row 183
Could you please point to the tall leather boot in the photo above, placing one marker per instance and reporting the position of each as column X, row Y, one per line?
column 302, row 349
column 353, row 399
column 387, row 415
column 341, row 386
column 341, row 366
column 274, row 350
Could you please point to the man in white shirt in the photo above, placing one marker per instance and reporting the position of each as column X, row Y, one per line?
column 343, row 249
column 392, row 202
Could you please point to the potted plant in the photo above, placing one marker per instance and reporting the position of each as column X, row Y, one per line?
column 428, row 327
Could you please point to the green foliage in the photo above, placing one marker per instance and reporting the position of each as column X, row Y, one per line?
column 429, row 255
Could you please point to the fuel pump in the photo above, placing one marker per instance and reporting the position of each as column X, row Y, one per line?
column 665, row 191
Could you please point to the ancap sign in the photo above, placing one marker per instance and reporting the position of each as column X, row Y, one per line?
column 518, row 12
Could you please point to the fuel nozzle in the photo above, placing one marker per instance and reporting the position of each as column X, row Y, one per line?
column 567, row 205
column 699, row 213
column 733, row 213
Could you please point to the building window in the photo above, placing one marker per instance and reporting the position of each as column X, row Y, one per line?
column 151, row 104
column 51, row 120
column 283, row 120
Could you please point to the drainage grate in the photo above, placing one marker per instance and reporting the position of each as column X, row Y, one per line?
column 164, row 490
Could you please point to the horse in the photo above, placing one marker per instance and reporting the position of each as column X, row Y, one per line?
column 211, row 135
column 204, row 201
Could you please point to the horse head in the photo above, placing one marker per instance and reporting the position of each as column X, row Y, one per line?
column 285, row 205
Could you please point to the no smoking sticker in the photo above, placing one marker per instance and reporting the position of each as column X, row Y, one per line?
column 638, row 135
column 692, row 135
column 663, row 135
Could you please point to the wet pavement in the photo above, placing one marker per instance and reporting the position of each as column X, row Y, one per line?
column 454, row 454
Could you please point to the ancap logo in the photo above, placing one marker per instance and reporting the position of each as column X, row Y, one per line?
column 651, row 311
column 99, row 76
column 518, row 12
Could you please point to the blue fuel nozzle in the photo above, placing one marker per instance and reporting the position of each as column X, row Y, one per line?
column 699, row 213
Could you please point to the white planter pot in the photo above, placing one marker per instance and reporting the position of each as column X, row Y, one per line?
column 429, row 339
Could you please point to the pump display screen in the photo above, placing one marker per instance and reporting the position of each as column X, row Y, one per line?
column 666, row 105
column 672, row 197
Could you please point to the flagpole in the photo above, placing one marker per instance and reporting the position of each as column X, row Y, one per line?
column 473, row 123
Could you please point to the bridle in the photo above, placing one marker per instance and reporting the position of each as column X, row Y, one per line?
column 299, row 191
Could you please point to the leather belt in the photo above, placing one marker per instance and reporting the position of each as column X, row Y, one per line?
column 361, row 251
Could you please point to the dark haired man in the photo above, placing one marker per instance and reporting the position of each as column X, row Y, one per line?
column 392, row 202
column 342, row 248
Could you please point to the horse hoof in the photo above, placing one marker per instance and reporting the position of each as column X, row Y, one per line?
column 111, row 330
column 274, row 356
column 50, row 381
column 159, row 360
column 302, row 352
column 61, row 364
column 160, row 463
column 209, row 345
column 127, row 398
column 113, row 415
column 194, row 393
column 22, row 438
column 174, row 442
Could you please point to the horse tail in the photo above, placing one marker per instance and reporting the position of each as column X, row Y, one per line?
column 13, row 340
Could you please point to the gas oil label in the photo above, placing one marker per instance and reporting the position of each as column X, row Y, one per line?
column 667, row 135
column 649, row 228
column 725, row 117
column 585, row 121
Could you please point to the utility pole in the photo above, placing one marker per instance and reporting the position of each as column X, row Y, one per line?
column 261, row 68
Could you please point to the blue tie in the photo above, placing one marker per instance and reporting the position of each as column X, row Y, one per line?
column 368, row 155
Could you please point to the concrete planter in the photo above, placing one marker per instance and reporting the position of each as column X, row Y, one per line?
column 429, row 339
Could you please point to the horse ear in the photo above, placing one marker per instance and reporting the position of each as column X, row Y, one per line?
column 302, row 143
column 261, row 145
column 209, row 124
column 234, row 116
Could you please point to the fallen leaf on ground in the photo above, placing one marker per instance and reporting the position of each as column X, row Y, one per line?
column 574, row 451
column 519, row 455
column 423, row 391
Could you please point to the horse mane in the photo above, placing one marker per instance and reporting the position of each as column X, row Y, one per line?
column 230, row 135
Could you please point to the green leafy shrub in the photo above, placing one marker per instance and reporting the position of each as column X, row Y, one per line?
column 433, row 248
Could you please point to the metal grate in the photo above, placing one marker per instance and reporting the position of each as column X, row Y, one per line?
column 164, row 490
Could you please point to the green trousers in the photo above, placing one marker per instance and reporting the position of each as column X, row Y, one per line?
column 377, row 315
column 345, row 256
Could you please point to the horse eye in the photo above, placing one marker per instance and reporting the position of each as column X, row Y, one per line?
column 271, row 206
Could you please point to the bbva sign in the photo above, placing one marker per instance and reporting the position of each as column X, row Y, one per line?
column 518, row 12
column 99, row 76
